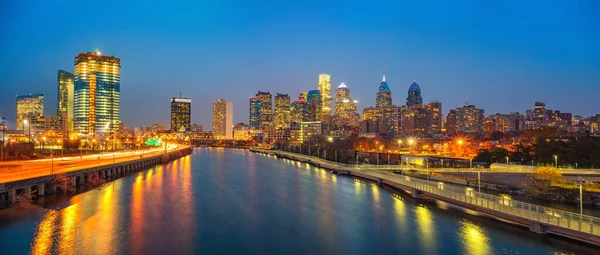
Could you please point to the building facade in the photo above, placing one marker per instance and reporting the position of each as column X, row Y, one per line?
column 315, row 106
column 467, row 119
column 384, row 95
column 299, row 112
column 346, row 109
column 65, row 94
column 282, row 110
column 181, row 114
column 266, row 110
column 222, row 117
column 97, row 92
column 414, row 95
column 255, row 109
column 29, row 107
column 324, row 86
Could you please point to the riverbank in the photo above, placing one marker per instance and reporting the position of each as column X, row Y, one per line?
column 38, row 186
column 539, row 219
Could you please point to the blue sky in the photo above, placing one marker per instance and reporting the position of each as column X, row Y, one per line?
column 502, row 55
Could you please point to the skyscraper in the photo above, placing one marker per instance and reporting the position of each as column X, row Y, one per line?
column 434, row 117
column 346, row 109
column 255, row 109
column 266, row 110
column 29, row 107
column 299, row 112
column 465, row 119
column 97, row 93
column 181, row 113
column 222, row 116
column 414, row 95
column 66, row 89
column 384, row 95
column 282, row 110
column 324, row 86
column 315, row 106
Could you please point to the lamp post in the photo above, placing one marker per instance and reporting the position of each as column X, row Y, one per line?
column 335, row 153
column 555, row 160
column 580, row 195
column 410, row 143
column 479, row 181
column 399, row 144
column 506, row 160
column 28, row 123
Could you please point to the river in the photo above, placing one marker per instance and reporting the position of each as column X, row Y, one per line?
column 232, row 201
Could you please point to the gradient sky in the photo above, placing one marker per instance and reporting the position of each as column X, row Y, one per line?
column 502, row 55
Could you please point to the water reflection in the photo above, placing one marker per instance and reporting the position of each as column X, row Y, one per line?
column 474, row 239
column 42, row 243
column 68, row 226
column 426, row 228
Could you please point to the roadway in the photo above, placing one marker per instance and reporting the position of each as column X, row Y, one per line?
column 20, row 170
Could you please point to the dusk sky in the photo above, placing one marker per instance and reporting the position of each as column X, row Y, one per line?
column 502, row 55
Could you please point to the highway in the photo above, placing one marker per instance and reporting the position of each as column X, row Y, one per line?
column 20, row 170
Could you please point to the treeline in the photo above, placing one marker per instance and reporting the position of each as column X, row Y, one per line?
column 581, row 152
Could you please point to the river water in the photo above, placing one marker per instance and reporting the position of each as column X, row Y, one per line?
column 230, row 201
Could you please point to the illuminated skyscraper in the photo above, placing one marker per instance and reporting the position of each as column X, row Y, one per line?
column 299, row 112
column 414, row 95
column 346, row 109
column 255, row 108
column 97, row 93
column 64, row 101
column 282, row 110
column 266, row 110
column 434, row 117
column 371, row 120
column 222, row 127
column 384, row 95
column 315, row 106
column 181, row 113
column 324, row 86
column 29, row 107
column 466, row 119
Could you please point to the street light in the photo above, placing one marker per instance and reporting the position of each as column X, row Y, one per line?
column 555, row 160
column 25, row 122
column 506, row 160
column 580, row 195
column 399, row 144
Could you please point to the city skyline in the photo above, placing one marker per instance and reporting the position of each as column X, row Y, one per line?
column 498, row 74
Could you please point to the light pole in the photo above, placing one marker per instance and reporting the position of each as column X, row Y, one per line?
column 580, row 195
column 388, row 158
column 506, row 160
column 479, row 181
column 410, row 143
column 26, row 122
column 471, row 163
column 335, row 153
column 555, row 160
column 399, row 144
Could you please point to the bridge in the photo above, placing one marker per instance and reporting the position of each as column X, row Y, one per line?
column 539, row 219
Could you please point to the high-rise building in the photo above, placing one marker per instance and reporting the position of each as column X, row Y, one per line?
column 222, row 116
column 53, row 126
column 390, row 116
column 181, row 114
column 97, row 92
column 255, row 110
column 158, row 127
column 414, row 120
column 282, row 110
column 384, row 95
column 371, row 120
column 29, row 107
column 266, row 110
column 324, row 86
column 299, row 112
column 505, row 123
column 466, row 119
column 539, row 111
column 346, row 109
column 414, row 95
column 315, row 106
column 433, row 111
column 66, row 90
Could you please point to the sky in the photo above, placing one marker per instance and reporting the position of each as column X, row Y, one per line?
column 502, row 55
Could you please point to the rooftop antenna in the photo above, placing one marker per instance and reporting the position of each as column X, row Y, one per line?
column 384, row 71
column 179, row 94
column 467, row 101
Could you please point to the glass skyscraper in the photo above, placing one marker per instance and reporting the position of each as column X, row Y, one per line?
column 29, row 107
column 414, row 95
column 97, row 93
column 181, row 113
column 315, row 105
column 255, row 108
column 64, row 100
column 384, row 95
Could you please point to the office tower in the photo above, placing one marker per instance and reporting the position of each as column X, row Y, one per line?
column 433, row 117
column 266, row 110
column 282, row 110
column 390, row 117
column 505, row 123
column 466, row 119
column 54, row 125
column 346, row 109
column 97, row 93
column 324, row 86
column 384, row 95
column 414, row 95
column 255, row 109
column 299, row 112
column 222, row 116
column 181, row 113
column 29, row 107
column 66, row 89
column 539, row 111
column 315, row 106
column 371, row 120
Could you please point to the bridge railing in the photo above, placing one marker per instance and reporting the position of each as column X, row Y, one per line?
column 504, row 204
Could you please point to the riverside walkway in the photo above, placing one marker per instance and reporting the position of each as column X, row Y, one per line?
column 539, row 219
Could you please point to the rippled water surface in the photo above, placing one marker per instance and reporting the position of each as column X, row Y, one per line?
column 224, row 201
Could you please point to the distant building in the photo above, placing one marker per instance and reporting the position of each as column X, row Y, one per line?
column 308, row 130
column 29, row 107
column 467, row 119
column 315, row 106
column 414, row 120
column 97, row 93
column 414, row 95
column 266, row 110
column 346, row 109
column 371, row 120
column 158, row 127
column 222, row 117
column 65, row 95
column 197, row 128
column 55, row 126
column 255, row 110
column 505, row 123
column 181, row 113
column 384, row 95
column 282, row 110
column 390, row 116
column 434, row 117
column 299, row 112
column 324, row 86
